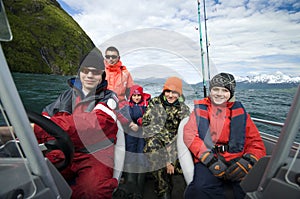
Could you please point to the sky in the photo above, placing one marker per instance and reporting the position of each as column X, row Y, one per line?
column 162, row 38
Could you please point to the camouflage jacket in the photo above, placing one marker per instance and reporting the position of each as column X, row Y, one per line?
column 160, row 125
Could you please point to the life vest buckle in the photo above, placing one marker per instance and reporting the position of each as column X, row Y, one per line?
column 220, row 148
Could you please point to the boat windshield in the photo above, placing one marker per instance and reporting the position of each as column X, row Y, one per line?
column 5, row 33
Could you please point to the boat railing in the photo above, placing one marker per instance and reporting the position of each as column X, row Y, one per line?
column 269, row 137
column 267, row 122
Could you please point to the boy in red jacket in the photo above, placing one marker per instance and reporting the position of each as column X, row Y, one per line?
column 223, row 139
column 86, row 112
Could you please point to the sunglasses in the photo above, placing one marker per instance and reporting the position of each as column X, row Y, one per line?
column 94, row 71
column 111, row 56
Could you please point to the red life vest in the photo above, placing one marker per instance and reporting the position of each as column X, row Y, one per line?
column 238, row 118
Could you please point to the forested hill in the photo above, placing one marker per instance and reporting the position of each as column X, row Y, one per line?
column 45, row 38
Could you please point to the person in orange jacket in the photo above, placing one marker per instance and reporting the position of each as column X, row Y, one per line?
column 117, row 75
column 223, row 140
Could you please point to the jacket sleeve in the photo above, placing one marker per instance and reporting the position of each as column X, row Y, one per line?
column 87, row 128
column 124, row 115
column 140, row 121
column 185, row 111
column 62, row 104
column 130, row 81
column 253, row 143
column 191, row 138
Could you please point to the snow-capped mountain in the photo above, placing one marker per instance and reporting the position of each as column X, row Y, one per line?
column 276, row 78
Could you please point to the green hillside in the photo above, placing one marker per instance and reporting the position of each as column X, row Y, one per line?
column 45, row 38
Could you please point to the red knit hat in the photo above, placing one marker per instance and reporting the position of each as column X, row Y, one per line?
column 173, row 84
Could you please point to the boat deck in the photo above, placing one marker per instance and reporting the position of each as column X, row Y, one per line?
column 179, row 186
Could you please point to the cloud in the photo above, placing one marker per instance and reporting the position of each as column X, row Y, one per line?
column 244, row 37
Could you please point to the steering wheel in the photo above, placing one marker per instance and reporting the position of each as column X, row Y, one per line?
column 62, row 140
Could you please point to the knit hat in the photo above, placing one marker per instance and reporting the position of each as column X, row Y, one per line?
column 93, row 59
column 225, row 80
column 173, row 84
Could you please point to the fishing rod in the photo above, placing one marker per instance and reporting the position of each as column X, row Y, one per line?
column 206, row 40
column 202, row 52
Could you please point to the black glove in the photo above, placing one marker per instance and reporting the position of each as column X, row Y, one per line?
column 239, row 169
column 216, row 166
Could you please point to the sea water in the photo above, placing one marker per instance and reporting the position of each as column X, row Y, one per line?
column 271, row 103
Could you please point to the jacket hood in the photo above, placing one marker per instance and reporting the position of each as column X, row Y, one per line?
column 137, row 89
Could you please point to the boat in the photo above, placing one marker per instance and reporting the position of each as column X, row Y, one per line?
column 26, row 173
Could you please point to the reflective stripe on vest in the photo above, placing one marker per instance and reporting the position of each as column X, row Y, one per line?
column 93, row 148
column 237, row 126
column 106, row 110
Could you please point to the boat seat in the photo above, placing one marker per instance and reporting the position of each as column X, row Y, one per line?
column 184, row 155
column 119, row 156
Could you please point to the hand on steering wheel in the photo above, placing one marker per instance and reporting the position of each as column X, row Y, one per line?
column 62, row 140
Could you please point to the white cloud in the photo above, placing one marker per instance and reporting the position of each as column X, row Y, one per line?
column 260, row 36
